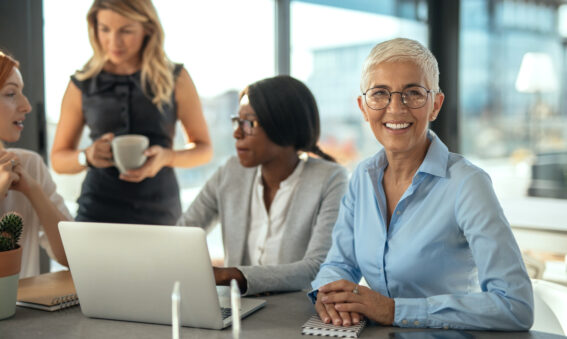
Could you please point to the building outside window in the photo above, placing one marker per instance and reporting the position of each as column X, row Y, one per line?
column 328, row 57
column 513, row 111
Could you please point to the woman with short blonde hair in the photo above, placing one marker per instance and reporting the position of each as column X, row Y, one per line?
column 422, row 225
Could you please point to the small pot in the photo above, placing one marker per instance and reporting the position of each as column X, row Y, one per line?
column 10, row 264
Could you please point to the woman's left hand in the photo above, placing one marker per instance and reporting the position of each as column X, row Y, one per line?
column 26, row 184
column 367, row 302
column 158, row 157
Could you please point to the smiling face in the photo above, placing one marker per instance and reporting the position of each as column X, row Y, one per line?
column 255, row 149
column 121, row 40
column 14, row 106
column 400, row 130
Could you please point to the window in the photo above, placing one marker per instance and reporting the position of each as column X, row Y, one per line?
column 511, row 116
column 328, row 56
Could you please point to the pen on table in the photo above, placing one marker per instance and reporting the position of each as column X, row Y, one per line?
column 175, row 310
column 235, row 305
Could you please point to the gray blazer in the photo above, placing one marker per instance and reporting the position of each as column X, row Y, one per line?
column 309, row 223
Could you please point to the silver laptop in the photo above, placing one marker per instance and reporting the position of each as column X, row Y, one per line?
column 127, row 272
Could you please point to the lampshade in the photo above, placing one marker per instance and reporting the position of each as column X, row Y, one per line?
column 536, row 74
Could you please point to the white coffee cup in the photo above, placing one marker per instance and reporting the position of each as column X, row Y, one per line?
column 128, row 151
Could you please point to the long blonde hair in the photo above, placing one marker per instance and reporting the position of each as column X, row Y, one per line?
column 157, row 69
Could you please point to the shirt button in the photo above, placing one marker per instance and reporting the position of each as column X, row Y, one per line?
column 416, row 323
column 398, row 213
column 404, row 322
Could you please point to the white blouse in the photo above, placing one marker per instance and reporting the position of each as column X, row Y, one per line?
column 32, row 234
column 266, row 229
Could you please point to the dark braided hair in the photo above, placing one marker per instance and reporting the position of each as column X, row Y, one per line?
column 287, row 111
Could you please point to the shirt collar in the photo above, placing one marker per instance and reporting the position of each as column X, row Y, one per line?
column 435, row 162
column 290, row 180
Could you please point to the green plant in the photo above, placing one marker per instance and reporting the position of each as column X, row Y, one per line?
column 11, row 226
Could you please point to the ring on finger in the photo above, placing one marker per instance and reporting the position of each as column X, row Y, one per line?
column 355, row 290
column 13, row 163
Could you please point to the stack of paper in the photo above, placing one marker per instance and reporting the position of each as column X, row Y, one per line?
column 314, row 326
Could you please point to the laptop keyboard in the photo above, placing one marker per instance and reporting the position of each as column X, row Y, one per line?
column 226, row 312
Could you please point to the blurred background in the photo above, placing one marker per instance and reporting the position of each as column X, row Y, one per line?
column 502, row 66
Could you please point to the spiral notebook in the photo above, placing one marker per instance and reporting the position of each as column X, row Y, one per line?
column 47, row 292
column 314, row 326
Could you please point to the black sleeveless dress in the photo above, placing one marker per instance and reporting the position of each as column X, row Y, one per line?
column 116, row 103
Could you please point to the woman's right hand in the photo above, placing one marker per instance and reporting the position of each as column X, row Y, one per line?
column 7, row 175
column 99, row 154
column 329, row 314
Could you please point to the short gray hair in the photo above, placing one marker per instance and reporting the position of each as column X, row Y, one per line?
column 402, row 49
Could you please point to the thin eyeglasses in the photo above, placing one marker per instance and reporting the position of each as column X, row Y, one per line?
column 247, row 126
column 378, row 98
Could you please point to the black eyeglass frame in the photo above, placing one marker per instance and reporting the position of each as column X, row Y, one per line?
column 244, row 124
column 403, row 97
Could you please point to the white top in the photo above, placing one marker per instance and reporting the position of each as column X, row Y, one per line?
column 266, row 229
column 32, row 234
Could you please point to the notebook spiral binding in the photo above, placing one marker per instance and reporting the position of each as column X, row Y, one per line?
column 66, row 301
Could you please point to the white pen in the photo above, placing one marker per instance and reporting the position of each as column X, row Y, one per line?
column 235, row 305
column 175, row 310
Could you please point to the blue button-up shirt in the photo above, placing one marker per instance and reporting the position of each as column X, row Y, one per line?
column 448, row 257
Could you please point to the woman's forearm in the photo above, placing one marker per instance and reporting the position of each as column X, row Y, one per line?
column 194, row 155
column 66, row 161
column 49, row 216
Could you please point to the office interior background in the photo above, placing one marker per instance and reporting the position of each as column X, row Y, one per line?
column 502, row 66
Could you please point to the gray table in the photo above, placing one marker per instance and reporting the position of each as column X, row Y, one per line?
column 282, row 317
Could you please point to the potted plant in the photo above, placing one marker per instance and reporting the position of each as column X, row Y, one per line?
column 10, row 262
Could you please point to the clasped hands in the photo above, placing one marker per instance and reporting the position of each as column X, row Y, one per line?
column 12, row 175
column 338, row 303
column 99, row 155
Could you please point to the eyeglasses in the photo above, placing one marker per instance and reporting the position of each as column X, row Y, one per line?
column 413, row 97
column 247, row 126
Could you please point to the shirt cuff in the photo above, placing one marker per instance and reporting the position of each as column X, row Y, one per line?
column 410, row 312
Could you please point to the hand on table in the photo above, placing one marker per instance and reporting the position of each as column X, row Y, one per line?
column 224, row 275
column 338, row 303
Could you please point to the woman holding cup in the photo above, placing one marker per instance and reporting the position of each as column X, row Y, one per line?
column 129, row 87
